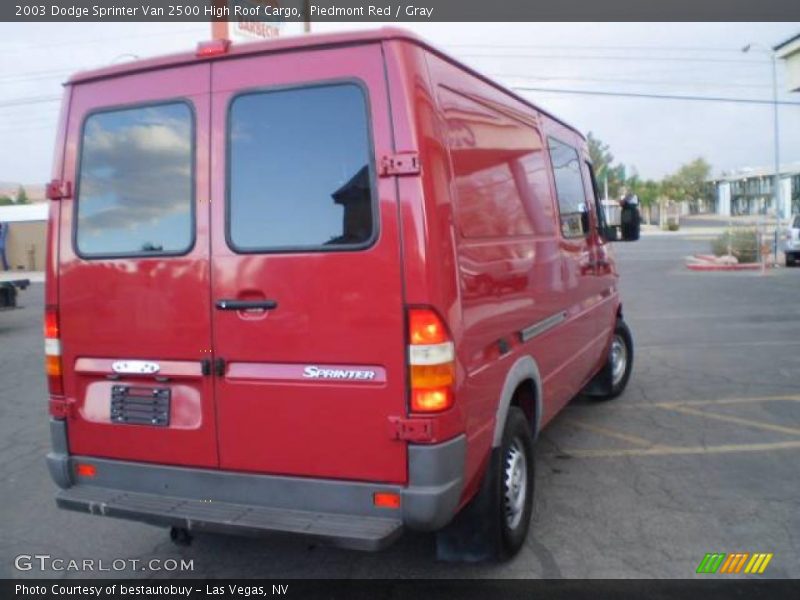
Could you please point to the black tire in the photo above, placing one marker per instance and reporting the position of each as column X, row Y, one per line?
column 180, row 536
column 516, row 448
column 611, row 381
column 481, row 530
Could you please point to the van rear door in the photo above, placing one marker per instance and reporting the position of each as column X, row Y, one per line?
column 134, row 304
column 306, row 276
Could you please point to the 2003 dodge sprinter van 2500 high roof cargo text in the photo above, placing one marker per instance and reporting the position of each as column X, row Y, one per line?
column 329, row 285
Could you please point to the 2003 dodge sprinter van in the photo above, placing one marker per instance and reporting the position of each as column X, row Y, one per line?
column 331, row 285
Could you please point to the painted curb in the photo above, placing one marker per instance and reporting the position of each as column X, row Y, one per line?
column 709, row 267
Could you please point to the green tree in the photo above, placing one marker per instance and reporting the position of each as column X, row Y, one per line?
column 604, row 167
column 22, row 196
column 648, row 190
column 689, row 182
column 5, row 200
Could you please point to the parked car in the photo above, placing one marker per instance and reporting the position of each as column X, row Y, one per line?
column 791, row 245
column 10, row 284
column 333, row 285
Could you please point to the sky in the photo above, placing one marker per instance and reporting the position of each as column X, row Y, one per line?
column 653, row 136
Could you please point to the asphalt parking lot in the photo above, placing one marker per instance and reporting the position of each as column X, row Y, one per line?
column 701, row 454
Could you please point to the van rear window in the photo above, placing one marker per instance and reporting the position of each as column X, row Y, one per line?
column 300, row 174
column 136, row 178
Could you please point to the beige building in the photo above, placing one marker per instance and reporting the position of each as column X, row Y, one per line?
column 27, row 232
column 25, row 246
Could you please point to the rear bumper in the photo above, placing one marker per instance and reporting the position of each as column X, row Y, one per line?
column 341, row 512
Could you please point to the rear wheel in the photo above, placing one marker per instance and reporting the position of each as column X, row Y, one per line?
column 611, row 381
column 495, row 523
column 516, row 483
column 180, row 536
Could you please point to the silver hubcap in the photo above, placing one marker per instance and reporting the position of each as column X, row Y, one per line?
column 515, row 484
column 619, row 359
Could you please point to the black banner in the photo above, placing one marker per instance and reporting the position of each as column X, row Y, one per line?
column 707, row 589
column 390, row 11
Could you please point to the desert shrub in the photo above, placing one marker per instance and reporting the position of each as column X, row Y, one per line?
column 673, row 226
column 743, row 244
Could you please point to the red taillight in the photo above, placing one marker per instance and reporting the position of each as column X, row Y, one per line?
column 212, row 48
column 386, row 499
column 431, row 359
column 50, row 323
column 431, row 400
column 52, row 352
column 85, row 470
column 425, row 327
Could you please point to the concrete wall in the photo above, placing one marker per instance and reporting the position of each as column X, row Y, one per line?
column 25, row 246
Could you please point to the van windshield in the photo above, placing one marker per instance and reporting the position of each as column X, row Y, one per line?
column 300, row 170
column 135, row 187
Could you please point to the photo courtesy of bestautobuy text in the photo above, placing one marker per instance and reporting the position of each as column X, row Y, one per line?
column 344, row 299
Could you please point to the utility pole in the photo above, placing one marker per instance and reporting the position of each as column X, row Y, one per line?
column 776, row 186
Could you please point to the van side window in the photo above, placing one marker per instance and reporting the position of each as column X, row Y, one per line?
column 135, row 187
column 569, row 188
column 300, row 170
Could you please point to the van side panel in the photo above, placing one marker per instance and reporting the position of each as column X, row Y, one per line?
column 508, row 259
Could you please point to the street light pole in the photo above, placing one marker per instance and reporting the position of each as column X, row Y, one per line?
column 776, row 186
column 777, row 153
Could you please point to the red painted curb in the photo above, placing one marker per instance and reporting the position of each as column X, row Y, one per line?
column 708, row 267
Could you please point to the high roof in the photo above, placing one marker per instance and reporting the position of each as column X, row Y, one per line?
column 289, row 44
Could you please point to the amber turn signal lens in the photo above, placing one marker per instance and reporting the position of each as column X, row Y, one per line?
column 52, row 366
column 432, row 376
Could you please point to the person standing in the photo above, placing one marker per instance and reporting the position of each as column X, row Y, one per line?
column 3, row 236
column 630, row 220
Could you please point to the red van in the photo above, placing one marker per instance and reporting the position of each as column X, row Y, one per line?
column 330, row 285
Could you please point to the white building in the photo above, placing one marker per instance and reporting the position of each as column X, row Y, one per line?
column 750, row 191
column 790, row 52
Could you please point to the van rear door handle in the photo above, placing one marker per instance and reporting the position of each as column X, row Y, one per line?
column 246, row 304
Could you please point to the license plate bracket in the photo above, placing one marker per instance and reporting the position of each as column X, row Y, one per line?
column 140, row 405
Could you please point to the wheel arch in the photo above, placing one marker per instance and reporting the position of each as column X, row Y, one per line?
column 523, row 383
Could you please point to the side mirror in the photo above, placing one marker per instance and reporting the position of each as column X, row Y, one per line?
column 630, row 223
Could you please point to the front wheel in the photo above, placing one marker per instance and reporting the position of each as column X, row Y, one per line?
column 612, row 379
